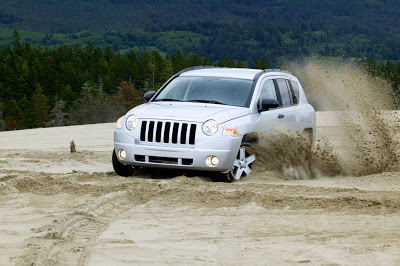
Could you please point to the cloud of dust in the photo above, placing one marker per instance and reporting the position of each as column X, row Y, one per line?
column 294, row 157
column 333, row 85
column 360, row 105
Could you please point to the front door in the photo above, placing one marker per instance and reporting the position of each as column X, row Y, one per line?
column 271, row 121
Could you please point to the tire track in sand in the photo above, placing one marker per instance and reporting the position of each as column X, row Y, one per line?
column 68, row 238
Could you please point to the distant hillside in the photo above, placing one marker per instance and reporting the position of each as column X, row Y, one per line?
column 233, row 29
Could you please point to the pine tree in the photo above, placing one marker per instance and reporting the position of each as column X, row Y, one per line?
column 179, row 61
column 166, row 73
column 145, row 70
column 40, row 107
column 196, row 60
column 260, row 63
column 17, row 42
column 157, row 65
column 12, row 109
column 1, row 117
column 240, row 64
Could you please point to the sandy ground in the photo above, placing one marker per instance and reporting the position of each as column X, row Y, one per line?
column 58, row 208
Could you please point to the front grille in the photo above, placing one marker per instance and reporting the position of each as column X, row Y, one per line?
column 168, row 132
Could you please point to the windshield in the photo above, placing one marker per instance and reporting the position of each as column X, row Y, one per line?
column 216, row 90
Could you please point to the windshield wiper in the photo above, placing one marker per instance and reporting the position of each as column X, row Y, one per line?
column 167, row 100
column 207, row 101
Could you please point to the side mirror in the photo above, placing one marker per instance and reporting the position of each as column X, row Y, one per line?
column 267, row 104
column 148, row 95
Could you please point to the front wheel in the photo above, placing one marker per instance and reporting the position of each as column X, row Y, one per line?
column 119, row 168
column 241, row 166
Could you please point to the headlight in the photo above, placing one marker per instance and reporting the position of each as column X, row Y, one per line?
column 210, row 127
column 131, row 122
column 229, row 131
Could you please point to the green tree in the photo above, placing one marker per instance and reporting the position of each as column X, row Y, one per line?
column 1, row 117
column 196, row 60
column 240, row 64
column 12, row 109
column 260, row 63
column 17, row 42
column 166, row 73
column 157, row 64
column 40, row 107
column 144, row 70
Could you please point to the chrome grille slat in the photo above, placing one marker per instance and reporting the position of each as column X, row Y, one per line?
column 178, row 138
column 171, row 126
column 162, row 131
column 168, row 132
column 150, row 132
column 188, row 134
column 146, row 132
column 155, row 132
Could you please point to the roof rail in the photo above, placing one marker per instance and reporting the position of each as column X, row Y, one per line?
column 208, row 67
column 277, row 70
column 194, row 68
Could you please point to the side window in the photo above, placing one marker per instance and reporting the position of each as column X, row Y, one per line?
column 268, row 90
column 285, row 92
column 295, row 91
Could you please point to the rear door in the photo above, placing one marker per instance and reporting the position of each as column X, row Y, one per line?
column 305, row 116
column 289, row 104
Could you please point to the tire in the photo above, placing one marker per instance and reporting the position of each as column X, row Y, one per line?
column 242, row 165
column 119, row 168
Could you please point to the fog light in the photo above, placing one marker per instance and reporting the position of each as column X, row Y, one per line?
column 215, row 161
column 212, row 161
column 122, row 154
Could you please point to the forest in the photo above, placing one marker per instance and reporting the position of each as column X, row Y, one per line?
column 66, row 86
column 80, row 85
column 272, row 29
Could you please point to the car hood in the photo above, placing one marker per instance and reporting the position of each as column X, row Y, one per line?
column 193, row 112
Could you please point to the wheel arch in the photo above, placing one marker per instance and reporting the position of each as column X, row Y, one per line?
column 250, row 138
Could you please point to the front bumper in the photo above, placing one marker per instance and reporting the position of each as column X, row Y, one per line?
column 192, row 157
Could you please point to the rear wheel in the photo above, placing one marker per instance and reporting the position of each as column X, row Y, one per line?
column 242, row 165
column 120, row 169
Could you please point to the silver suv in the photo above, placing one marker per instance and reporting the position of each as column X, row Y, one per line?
column 203, row 118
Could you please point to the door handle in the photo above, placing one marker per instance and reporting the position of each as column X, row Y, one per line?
column 280, row 116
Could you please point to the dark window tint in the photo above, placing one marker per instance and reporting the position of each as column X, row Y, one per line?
column 295, row 91
column 284, row 90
